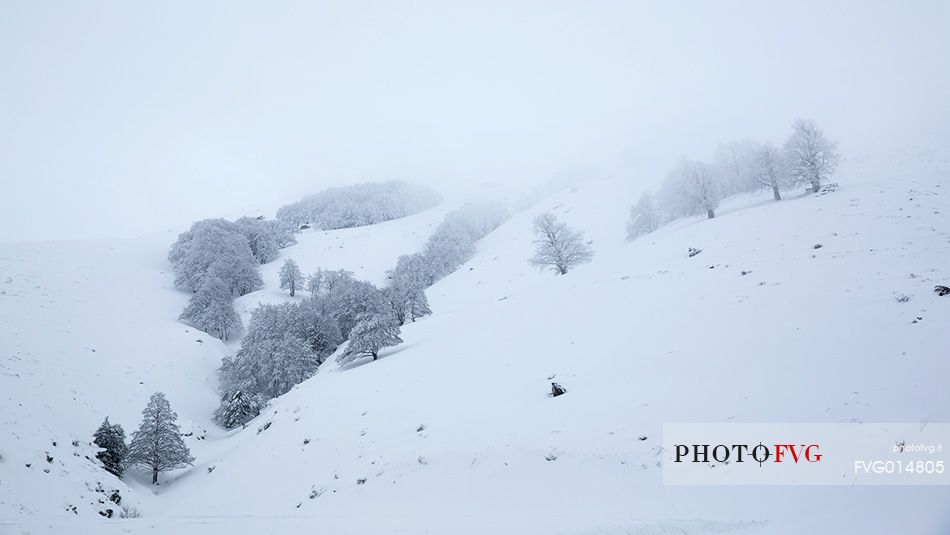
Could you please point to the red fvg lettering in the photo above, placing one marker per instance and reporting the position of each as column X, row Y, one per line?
column 809, row 452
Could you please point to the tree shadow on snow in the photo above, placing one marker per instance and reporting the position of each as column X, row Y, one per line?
column 388, row 352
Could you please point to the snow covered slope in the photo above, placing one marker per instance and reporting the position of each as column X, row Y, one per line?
column 452, row 431
column 89, row 330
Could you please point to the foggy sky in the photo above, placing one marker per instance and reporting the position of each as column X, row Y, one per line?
column 123, row 118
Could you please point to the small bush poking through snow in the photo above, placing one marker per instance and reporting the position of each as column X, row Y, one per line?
column 129, row 511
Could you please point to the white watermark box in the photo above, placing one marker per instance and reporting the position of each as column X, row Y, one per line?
column 806, row 454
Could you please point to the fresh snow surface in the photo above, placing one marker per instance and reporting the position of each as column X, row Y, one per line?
column 452, row 431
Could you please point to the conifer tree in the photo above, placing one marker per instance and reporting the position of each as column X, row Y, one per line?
column 111, row 438
column 158, row 444
column 237, row 408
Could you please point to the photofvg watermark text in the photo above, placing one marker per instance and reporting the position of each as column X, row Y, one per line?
column 806, row 454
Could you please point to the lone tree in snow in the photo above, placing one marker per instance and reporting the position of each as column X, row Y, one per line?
column 111, row 438
column 768, row 170
column 157, row 444
column 810, row 156
column 373, row 331
column 236, row 409
column 558, row 246
column 290, row 276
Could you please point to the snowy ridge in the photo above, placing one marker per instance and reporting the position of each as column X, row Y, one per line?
column 452, row 431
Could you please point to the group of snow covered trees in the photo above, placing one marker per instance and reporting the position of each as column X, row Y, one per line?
column 217, row 260
column 156, row 445
column 694, row 187
column 450, row 245
column 286, row 343
column 357, row 205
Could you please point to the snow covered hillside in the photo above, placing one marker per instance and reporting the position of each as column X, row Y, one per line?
column 89, row 331
column 789, row 314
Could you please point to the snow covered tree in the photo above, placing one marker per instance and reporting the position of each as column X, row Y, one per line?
column 290, row 362
column 397, row 303
column 264, row 246
column 417, row 304
column 315, row 283
column 158, row 444
column 643, row 217
column 111, row 438
column 557, row 245
column 372, row 332
column 321, row 331
column 241, row 277
column 237, row 408
column 811, row 158
column 351, row 298
column 270, row 322
column 693, row 188
column 734, row 164
column 207, row 242
column 290, row 276
column 412, row 271
column 265, row 238
column 276, row 355
column 210, row 310
column 768, row 170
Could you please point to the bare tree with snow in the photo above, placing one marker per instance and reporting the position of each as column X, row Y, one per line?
column 697, row 187
column 290, row 276
column 810, row 156
column 558, row 246
column 158, row 444
column 768, row 170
